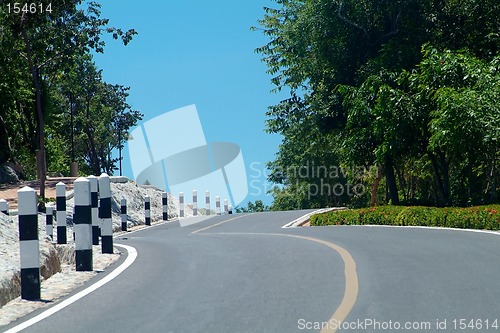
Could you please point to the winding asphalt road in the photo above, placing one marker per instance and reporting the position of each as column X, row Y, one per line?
column 244, row 273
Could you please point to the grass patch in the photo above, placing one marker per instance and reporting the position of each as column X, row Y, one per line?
column 479, row 217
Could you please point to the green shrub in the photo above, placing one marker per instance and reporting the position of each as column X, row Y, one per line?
column 479, row 217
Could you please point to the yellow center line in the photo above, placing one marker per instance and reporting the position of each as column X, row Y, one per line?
column 351, row 283
column 350, row 273
column 217, row 224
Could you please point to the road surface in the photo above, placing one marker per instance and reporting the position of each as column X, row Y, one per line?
column 244, row 273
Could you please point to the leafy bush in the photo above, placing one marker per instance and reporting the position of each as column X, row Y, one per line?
column 479, row 217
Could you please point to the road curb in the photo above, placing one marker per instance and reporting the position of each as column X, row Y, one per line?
column 305, row 218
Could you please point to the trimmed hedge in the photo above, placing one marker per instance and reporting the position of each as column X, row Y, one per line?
column 479, row 217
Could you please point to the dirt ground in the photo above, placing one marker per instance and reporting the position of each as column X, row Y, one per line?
column 9, row 191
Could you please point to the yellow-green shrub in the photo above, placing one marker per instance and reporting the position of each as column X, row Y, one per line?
column 479, row 217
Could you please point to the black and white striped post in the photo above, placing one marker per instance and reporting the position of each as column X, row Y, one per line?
column 217, row 205
column 147, row 209
column 61, row 213
column 123, row 213
column 164, row 203
column 94, row 206
column 82, row 220
column 29, row 245
column 195, row 202
column 4, row 206
column 207, row 202
column 230, row 209
column 105, row 214
column 181, row 204
column 49, row 221
column 226, row 208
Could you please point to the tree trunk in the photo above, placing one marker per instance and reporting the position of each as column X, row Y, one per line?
column 492, row 180
column 391, row 181
column 5, row 150
column 441, row 177
column 41, row 132
column 94, row 159
column 376, row 183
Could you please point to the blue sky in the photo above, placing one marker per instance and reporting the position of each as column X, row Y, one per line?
column 198, row 52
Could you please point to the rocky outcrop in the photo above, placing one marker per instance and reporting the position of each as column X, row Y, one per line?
column 8, row 174
column 50, row 264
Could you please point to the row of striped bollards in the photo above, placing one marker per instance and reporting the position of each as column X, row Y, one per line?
column 147, row 207
column 92, row 198
column 100, row 211
column 147, row 210
column 227, row 208
column 84, row 217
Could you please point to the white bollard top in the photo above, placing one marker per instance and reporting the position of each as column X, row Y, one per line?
column 60, row 189
column 123, row 202
column 82, row 192
column 164, row 195
column 104, row 186
column 28, row 203
column 93, row 183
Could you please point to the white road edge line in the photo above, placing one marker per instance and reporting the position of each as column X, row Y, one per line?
column 131, row 256
column 303, row 219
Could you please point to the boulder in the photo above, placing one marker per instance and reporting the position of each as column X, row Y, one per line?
column 8, row 175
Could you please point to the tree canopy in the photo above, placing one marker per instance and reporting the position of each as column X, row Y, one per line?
column 55, row 107
column 404, row 90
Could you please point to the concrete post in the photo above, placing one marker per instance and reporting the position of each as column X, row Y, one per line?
column 217, row 205
column 29, row 244
column 195, row 202
column 61, row 213
column 123, row 211
column 4, row 206
column 164, row 203
column 181, row 204
column 82, row 220
column 207, row 202
column 226, row 208
column 147, row 210
column 49, row 221
column 105, row 214
column 94, row 204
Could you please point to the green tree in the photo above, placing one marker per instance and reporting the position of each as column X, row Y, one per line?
column 49, row 42
column 345, row 63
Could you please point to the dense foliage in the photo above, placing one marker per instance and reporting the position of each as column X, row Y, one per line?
column 52, row 96
column 477, row 217
column 396, row 100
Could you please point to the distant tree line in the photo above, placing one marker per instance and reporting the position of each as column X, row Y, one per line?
column 252, row 207
column 407, row 89
column 55, row 107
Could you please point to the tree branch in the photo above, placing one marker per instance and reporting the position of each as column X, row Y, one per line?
column 395, row 28
column 343, row 18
